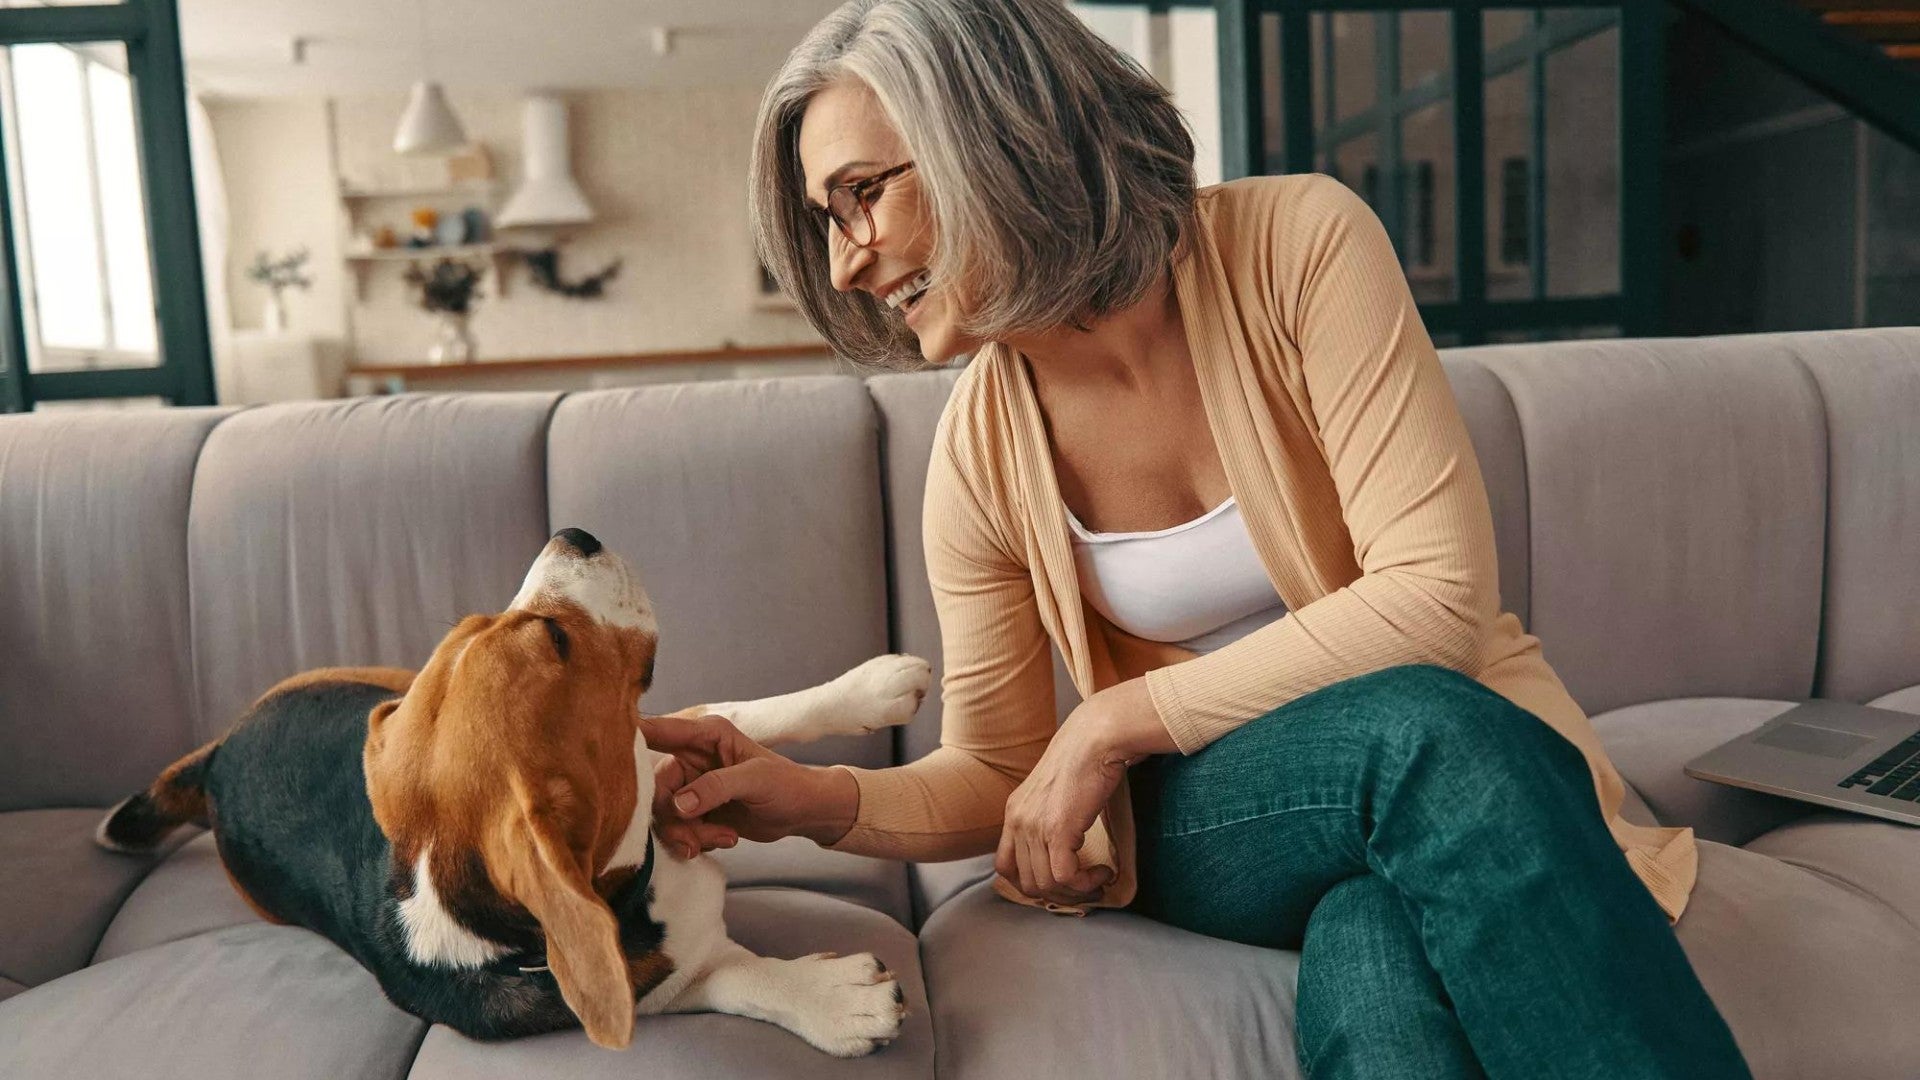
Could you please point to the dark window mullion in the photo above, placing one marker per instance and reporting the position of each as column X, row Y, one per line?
column 1537, row 176
column 1470, row 175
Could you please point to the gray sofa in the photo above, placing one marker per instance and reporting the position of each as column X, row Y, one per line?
column 1700, row 531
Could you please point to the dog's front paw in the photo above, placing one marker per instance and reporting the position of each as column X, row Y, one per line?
column 845, row 1005
column 883, row 692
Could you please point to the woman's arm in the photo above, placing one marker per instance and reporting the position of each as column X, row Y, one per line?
column 996, row 691
column 1409, row 486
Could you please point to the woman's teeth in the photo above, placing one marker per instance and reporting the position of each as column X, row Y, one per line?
column 908, row 294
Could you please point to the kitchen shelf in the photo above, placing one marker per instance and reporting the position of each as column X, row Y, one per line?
column 479, row 189
column 496, row 256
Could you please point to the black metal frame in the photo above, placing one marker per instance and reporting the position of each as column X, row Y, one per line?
column 1636, row 309
column 150, row 31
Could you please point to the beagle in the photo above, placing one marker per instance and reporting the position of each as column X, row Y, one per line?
column 479, row 835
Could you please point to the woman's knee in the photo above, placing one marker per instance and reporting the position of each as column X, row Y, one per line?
column 1428, row 706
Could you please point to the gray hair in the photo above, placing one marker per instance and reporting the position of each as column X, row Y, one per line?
column 1058, row 172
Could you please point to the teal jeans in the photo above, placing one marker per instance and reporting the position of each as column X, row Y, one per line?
column 1438, row 857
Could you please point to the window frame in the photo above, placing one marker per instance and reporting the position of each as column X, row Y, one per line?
column 150, row 32
column 60, row 358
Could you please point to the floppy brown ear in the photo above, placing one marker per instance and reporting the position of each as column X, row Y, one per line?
column 583, row 937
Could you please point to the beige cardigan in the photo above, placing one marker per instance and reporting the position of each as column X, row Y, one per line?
column 1345, row 447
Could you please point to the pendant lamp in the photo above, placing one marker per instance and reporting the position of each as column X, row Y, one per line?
column 428, row 126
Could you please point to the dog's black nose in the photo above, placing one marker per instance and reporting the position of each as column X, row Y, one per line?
column 580, row 540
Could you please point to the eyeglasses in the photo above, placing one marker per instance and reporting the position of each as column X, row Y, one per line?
column 850, row 206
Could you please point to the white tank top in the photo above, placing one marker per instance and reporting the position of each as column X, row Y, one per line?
column 1198, row 584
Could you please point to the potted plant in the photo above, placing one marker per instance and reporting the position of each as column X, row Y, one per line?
column 278, row 275
column 448, row 292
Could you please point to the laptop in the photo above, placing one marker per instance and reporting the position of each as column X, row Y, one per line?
column 1834, row 753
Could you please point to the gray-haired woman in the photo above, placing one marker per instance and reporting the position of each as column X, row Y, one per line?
column 1205, row 447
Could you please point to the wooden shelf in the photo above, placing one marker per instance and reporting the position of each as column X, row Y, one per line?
column 485, row 189
column 406, row 254
column 809, row 350
column 496, row 256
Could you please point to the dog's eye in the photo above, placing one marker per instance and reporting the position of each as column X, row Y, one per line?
column 559, row 635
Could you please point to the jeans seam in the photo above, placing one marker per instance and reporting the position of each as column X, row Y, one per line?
column 1168, row 834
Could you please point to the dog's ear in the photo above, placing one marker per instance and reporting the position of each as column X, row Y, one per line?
column 583, row 937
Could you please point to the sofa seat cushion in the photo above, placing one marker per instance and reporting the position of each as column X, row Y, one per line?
column 245, row 1002
column 771, row 922
column 1651, row 743
column 1021, row 992
column 58, row 891
column 1815, row 977
column 796, row 862
column 189, row 894
column 935, row 883
column 1906, row 700
column 1877, row 858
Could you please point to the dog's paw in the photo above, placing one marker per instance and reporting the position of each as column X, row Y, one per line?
column 844, row 1005
column 883, row 692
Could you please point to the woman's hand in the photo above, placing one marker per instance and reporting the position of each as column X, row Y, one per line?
column 717, row 784
column 1049, row 814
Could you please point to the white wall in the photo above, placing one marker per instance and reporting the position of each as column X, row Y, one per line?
column 273, row 157
column 664, row 169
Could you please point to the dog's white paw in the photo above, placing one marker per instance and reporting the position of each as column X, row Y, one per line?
column 883, row 692
column 844, row 1005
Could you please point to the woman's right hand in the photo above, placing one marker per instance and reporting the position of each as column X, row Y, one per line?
column 719, row 780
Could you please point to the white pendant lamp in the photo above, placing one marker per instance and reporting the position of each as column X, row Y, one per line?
column 548, row 195
column 429, row 125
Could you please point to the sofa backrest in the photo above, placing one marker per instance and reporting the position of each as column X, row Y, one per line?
column 159, row 570
column 1724, row 516
column 96, row 671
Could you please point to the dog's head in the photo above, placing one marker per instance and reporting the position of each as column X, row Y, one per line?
column 507, row 780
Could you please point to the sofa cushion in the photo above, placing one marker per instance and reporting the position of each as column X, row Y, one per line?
column 245, row 1002
column 1650, row 744
column 751, row 510
column 1872, row 856
column 1869, row 381
column 58, row 891
column 9, row 988
column 1020, row 992
column 935, row 883
column 357, row 532
column 93, row 580
column 1906, row 699
column 187, row 894
column 1814, row 977
column 1677, row 490
column 796, row 862
column 1494, row 429
column 771, row 922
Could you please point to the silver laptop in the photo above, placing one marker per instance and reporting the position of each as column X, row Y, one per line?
column 1835, row 753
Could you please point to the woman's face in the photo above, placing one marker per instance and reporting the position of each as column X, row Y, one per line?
column 845, row 136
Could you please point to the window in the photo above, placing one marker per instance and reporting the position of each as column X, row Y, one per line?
column 1179, row 48
column 79, row 207
column 1420, row 215
column 1515, row 243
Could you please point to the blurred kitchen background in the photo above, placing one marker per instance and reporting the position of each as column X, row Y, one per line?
column 254, row 200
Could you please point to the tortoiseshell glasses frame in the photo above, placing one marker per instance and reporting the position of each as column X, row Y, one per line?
column 850, row 205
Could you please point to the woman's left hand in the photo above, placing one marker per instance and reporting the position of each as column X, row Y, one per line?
column 1049, row 814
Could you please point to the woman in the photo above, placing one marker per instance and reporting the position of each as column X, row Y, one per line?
column 1205, row 447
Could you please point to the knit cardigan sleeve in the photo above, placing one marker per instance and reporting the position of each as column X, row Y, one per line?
column 996, row 691
column 1413, row 502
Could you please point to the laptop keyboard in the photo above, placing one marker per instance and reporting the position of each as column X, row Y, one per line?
column 1895, row 774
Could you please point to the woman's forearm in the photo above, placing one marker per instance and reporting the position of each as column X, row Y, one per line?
column 836, row 800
